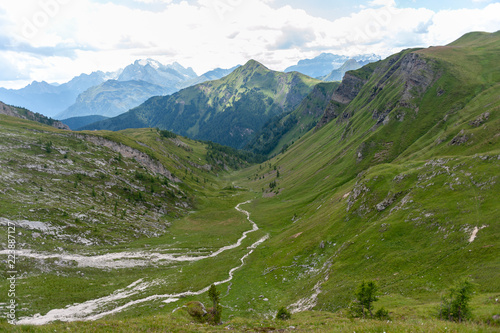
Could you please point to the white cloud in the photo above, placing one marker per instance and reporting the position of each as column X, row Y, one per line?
column 72, row 37
column 154, row 1
column 385, row 3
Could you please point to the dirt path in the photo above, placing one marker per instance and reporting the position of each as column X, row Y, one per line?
column 93, row 309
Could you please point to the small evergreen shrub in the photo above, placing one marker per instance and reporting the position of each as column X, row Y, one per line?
column 365, row 296
column 197, row 311
column 455, row 305
column 382, row 314
column 215, row 312
column 283, row 314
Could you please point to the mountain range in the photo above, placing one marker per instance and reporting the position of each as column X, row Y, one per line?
column 325, row 63
column 135, row 84
column 106, row 94
column 49, row 99
column 220, row 120
column 396, row 184
column 228, row 111
column 83, row 95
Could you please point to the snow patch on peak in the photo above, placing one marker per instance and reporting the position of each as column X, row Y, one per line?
column 151, row 62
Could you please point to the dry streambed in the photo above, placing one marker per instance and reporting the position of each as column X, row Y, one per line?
column 98, row 308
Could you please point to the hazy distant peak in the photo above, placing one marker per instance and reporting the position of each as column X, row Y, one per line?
column 151, row 62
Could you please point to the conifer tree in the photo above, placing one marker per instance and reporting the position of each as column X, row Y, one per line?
column 216, row 310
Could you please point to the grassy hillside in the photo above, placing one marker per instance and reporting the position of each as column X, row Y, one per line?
column 76, row 198
column 227, row 111
column 398, row 184
column 399, row 188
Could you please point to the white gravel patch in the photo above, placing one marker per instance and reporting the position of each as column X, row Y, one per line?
column 93, row 309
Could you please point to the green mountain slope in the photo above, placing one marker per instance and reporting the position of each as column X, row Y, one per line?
column 399, row 185
column 97, row 211
column 76, row 122
column 279, row 132
column 228, row 111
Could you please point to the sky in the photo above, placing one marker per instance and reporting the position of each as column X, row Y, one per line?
column 55, row 40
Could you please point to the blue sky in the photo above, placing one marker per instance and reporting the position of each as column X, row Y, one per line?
column 55, row 40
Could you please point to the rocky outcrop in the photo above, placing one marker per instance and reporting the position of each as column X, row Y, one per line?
column 7, row 110
column 348, row 90
column 386, row 202
column 409, row 72
column 480, row 120
column 144, row 159
column 459, row 139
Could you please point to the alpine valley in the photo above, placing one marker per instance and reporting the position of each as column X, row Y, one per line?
column 390, row 176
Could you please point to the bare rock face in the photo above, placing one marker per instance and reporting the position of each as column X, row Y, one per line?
column 480, row 120
column 348, row 90
column 7, row 110
column 461, row 138
column 411, row 71
column 129, row 152
column 417, row 75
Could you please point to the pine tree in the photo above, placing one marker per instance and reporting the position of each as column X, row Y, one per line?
column 365, row 296
column 216, row 310
column 455, row 305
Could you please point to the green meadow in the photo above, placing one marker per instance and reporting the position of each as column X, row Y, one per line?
column 401, row 188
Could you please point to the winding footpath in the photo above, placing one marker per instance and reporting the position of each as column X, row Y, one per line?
column 90, row 310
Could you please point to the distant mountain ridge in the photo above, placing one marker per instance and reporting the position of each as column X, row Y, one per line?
column 325, row 63
column 75, row 123
column 50, row 99
column 111, row 98
column 23, row 113
column 151, row 71
column 349, row 65
column 228, row 111
column 136, row 83
column 72, row 98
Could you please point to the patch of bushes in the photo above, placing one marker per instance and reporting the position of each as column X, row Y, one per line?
column 362, row 306
column 200, row 314
column 283, row 314
column 455, row 304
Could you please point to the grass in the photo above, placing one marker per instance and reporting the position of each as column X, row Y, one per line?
column 395, row 203
column 173, row 215
column 309, row 321
column 415, row 247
